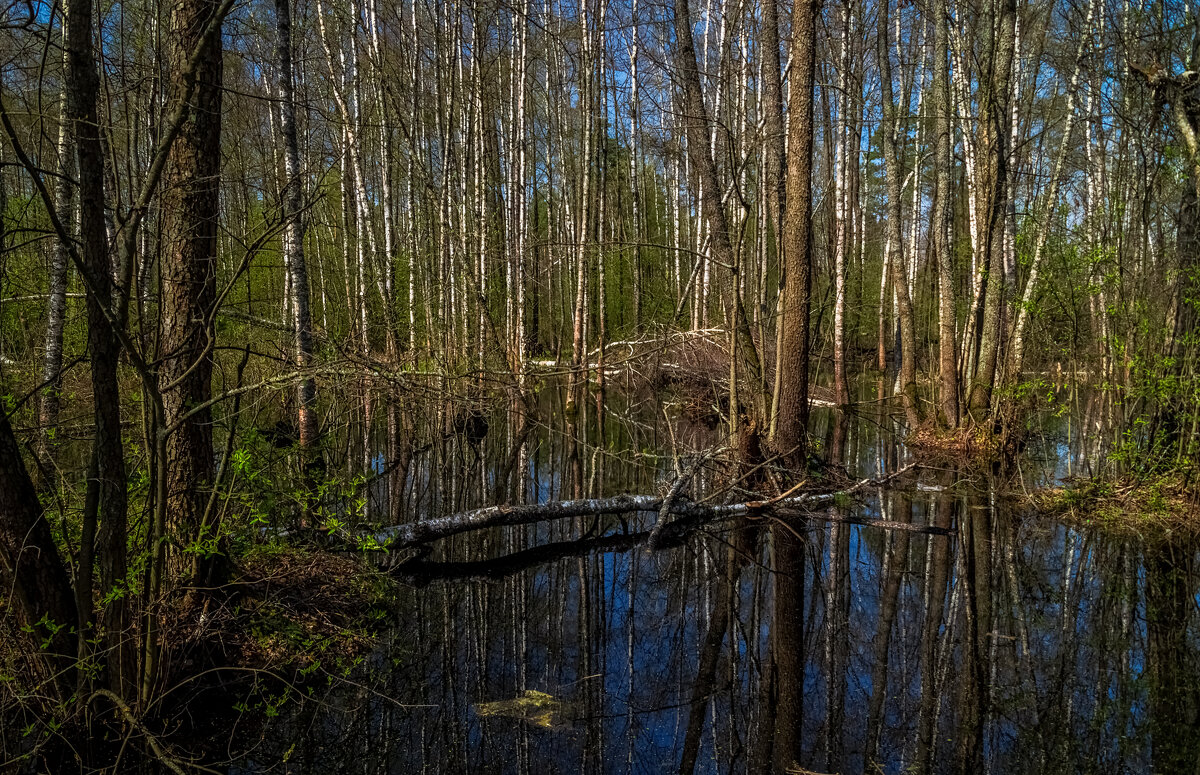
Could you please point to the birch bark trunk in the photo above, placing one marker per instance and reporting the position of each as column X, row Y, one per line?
column 60, row 259
column 1016, row 359
column 896, row 259
column 293, row 237
column 842, row 210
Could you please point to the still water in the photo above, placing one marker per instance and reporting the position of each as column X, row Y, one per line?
column 1002, row 642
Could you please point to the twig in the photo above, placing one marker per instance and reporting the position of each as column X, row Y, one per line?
column 133, row 722
column 673, row 495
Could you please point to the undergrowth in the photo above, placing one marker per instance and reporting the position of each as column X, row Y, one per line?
column 290, row 609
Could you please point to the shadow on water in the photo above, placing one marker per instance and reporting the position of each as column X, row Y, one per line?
column 1007, row 643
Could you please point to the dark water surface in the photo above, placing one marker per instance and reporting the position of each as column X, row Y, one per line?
column 1010, row 643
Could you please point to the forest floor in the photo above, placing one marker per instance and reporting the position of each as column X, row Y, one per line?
column 288, row 609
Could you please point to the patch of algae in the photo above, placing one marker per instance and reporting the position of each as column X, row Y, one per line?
column 533, row 706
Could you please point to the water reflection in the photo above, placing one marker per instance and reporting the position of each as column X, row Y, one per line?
column 1002, row 643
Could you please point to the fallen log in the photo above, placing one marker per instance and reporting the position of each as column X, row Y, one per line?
column 423, row 532
column 421, row 570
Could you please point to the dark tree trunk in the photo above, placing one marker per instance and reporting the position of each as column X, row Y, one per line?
column 104, row 533
column 30, row 565
column 787, row 648
column 710, row 649
column 791, row 413
column 190, row 212
column 994, row 112
column 698, row 127
column 1171, row 427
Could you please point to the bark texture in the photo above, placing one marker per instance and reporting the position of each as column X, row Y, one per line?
column 943, row 219
column 791, row 411
column 995, row 119
column 293, row 237
column 896, row 259
column 415, row 533
column 190, row 213
column 56, row 308
column 104, row 531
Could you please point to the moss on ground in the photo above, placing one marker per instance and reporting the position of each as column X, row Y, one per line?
column 1149, row 507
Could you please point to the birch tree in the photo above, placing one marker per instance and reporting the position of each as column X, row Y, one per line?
column 896, row 260
column 293, row 236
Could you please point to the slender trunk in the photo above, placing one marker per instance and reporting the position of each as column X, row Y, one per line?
column 60, row 259
column 842, row 210
column 293, row 237
column 519, row 212
column 773, row 140
column 896, row 258
column 995, row 118
column 602, row 199
column 791, row 375
column 104, row 521
column 943, row 219
column 582, row 220
column 937, row 573
column 893, row 570
column 1016, row 358
column 635, row 184
column 697, row 131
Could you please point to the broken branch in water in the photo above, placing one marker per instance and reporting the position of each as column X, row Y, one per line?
column 673, row 495
column 416, row 533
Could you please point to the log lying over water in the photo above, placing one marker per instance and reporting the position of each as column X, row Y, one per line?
column 426, row 531
column 420, row 570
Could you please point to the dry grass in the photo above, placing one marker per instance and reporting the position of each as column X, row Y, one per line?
column 977, row 442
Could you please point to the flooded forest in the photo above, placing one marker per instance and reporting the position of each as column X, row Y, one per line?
column 631, row 386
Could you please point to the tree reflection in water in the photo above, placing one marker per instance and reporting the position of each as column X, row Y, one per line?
column 1013, row 644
